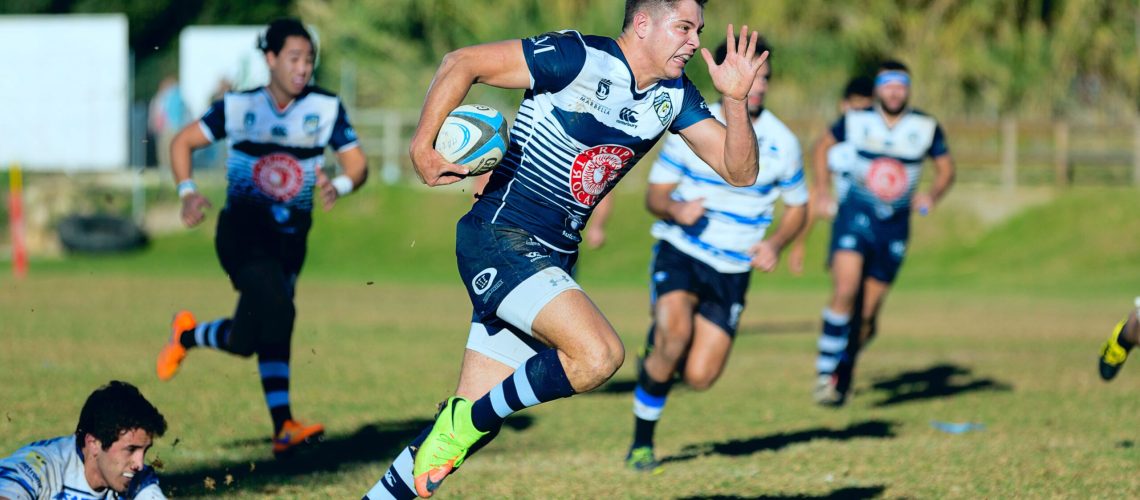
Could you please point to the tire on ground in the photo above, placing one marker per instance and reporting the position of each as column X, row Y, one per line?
column 100, row 233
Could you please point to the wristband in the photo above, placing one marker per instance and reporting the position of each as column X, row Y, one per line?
column 186, row 187
column 343, row 185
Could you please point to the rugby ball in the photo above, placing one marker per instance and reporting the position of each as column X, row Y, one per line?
column 474, row 136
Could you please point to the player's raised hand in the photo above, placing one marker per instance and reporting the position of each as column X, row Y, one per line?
column 193, row 209
column 433, row 169
column 687, row 213
column 733, row 77
column 327, row 191
column 765, row 256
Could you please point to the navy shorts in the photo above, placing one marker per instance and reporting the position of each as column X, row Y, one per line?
column 881, row 242
column 720, row 296
column 510, row 276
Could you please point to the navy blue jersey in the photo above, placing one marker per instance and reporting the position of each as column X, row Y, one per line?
column 581, row 127
column 888, row 161
column 274, row 154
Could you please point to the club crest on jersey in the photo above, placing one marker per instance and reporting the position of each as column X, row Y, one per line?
column 279, row 176
column 887, row 179
column 603, row 89
column 594, row 169
column 310, row 124
column 663, row 105
column 249, row 119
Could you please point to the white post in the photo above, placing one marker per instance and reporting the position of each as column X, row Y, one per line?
column 390, row 171
column 1009, row 153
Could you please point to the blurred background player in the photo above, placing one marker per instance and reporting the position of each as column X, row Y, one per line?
column 872, row 224
column 710, row 237
column 840, row 157
column 1125, row 336
column 105, row 457
column 593, row 107
column 276, row 136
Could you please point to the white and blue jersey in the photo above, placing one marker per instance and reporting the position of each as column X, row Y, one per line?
column 736, row 218
column 888, row 160
column 274, row 154
column 53, row 469
column 580, row 128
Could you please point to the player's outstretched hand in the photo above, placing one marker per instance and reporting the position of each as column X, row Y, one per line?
column 327, row 190
column 687, row 213
column 823, row 204
column 193, row 209
column 733, row 77
column 434, row 170
column 765, row 256
column 595, row 237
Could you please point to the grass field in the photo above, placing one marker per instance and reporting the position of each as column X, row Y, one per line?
column 996, row 323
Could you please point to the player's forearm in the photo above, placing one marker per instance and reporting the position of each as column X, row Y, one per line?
column 791, row 225
column 658, row 200
column 821, row 180
column 945, row 174
column 180, row 157
column 741, row 160
column 450, row 85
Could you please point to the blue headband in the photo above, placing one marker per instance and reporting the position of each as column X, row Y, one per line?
column 892, row 77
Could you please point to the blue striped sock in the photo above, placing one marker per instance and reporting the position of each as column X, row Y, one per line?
column 833, row 341
column 398, row 483
column 542, row 378
column 213, row 334
column 275, row 384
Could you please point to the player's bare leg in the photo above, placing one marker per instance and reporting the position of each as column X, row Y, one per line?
column 708, row 354
column 586, row 352
column 846, row 277
column 673, row 326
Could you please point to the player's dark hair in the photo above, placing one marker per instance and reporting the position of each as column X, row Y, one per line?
column 861, row 86
column 761, row 46
column 116, row 408
column 278, row 31
column 892, row 65
column 632, row 6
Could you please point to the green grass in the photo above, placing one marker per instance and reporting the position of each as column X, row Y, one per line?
column 997, row 324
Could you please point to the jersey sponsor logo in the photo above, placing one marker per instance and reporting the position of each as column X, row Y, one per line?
column 887, row 179
column 310, row 124
column 279, row 176
column 663, row 105
column 482, row 281
column 278, row 131
column 594, row 169
column 847, row 241
column 627, row 117
column 603, row 89
column 591, row 104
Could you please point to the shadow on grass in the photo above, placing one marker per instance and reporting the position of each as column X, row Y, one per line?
column 777, row 327
column 743, row 447
column 851, row 492
column 379, row 442
column 939, row 381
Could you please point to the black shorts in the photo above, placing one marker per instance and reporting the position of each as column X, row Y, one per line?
column 252, row 234
column 720, row 296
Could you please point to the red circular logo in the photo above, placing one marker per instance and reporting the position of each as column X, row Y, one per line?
column 887, row 179
column 594, row 169
column 279, row 176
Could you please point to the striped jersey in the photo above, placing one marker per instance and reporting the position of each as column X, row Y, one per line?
column 274, row 153
column 888, row 160
column 53, row 470
column 736, row 218
column 580, row 128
